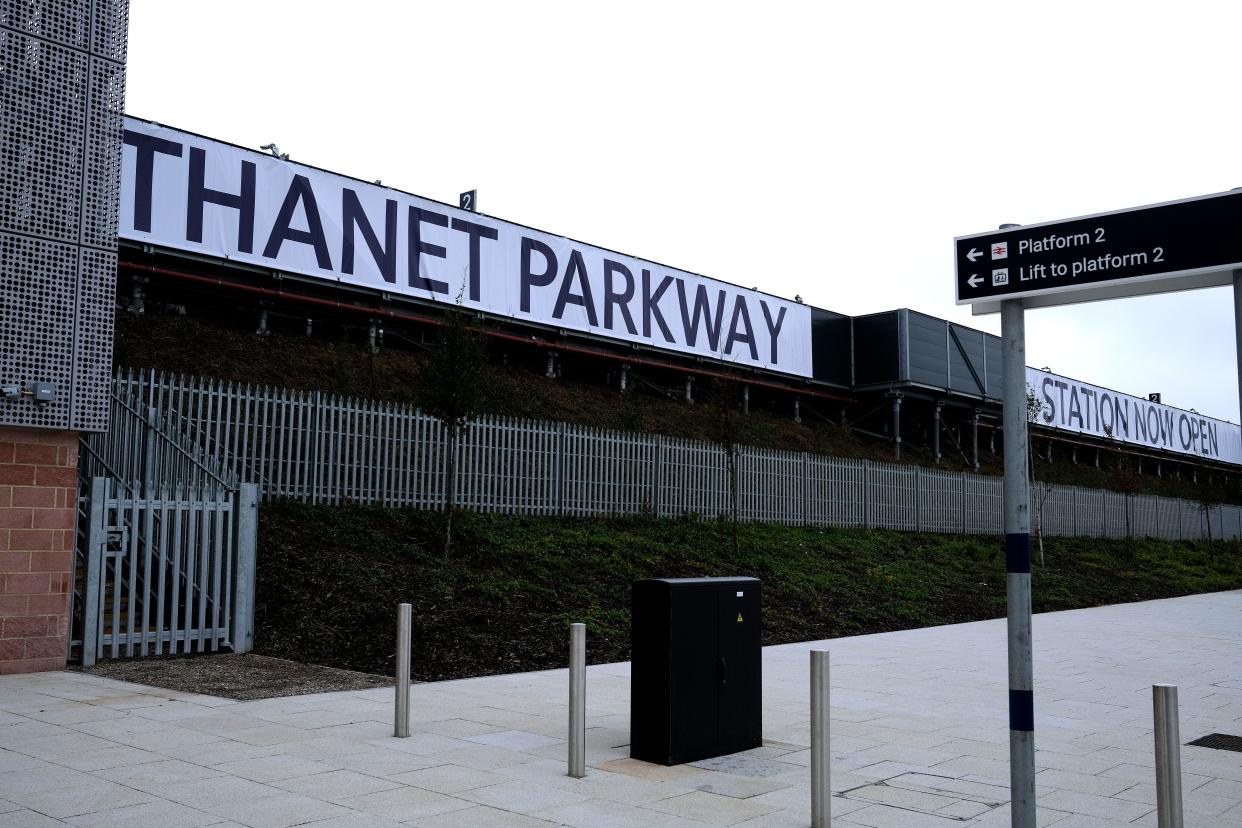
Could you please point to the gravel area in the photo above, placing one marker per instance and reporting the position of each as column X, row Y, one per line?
column 243, row 677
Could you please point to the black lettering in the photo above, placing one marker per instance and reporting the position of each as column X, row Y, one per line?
column 353, row 218
column 620, row 300
column 1052, row 407
column 651, row 305
column 531, row 279
column 742, row 315
column 702, row 310
column 774, row 330
column 476, row 232
column 1075, row 408
column 198, row 194
column 576, row 267
column 146, row 147
column 299, row 192
column 417, row 247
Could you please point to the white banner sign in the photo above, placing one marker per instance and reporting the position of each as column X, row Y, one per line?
column 183, row 191
column 1071, row 405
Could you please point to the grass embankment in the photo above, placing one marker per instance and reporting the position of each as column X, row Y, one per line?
column 330, row 580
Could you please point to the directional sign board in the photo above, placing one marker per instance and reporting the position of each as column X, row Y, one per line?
column 1178, row 245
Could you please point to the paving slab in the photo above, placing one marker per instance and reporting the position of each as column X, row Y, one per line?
column 919, row 724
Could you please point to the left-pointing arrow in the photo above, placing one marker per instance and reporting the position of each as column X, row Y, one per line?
column 974, row 254
column 974, row 280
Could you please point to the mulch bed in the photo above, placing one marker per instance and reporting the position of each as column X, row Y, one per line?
column 242, row 677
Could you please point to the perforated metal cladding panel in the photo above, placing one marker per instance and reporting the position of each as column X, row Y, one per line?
column 42, row 137
column 55, row 20
column 37, row 310
column 102, row 182
column 62, row 75
column 110, row 36
column 93, row 364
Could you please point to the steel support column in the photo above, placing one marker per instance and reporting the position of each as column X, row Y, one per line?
column 1018, row 565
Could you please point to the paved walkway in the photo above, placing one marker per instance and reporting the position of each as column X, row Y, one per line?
column 919, row 739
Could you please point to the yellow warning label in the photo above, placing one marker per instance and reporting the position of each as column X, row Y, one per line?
column 739, row 618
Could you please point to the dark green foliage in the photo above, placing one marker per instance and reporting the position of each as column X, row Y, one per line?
column 453, row 390
column 330, row 580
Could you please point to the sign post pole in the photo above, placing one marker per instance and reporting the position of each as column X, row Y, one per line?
column 1018, row 566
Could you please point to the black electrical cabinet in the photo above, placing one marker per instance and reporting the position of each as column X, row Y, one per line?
column 696, row 665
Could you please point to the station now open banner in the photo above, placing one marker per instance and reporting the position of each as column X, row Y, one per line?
column 183, row 191
column 1071, row 405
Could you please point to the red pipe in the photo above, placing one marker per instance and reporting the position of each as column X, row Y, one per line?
column 427, row 320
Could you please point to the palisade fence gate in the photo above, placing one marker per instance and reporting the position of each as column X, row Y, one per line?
column 165, row 552
column 322, row 448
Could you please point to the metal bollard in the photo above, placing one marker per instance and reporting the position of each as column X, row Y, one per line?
column 1168, row 756
column 401, row 725
column 577, row 700
column 821, row 755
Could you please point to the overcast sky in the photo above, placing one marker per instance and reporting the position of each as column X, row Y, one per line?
column 829, row 150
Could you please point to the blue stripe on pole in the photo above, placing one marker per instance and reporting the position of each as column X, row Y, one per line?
column 1018, row 553
column 1021, row 710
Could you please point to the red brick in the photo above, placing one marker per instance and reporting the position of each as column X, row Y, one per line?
column 53, row 476
column 32, row 539
column 46, row 648
column 6, row 496
column 62, row 585
column 36, row 455
column 63, row 539
column 4, row 540
column 36, row 627
column 14, row 561
column 51, row 518
column 13, row 605
column 50, row 560
column 32, row 665
column 6, row 452
column 11, row 518
column 40, row 497
column 48, row 604
column 11, row 649
column 27, row 583
column 68, row 498
column 17, row 475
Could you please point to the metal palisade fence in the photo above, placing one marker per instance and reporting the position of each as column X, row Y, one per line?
column 322, row 448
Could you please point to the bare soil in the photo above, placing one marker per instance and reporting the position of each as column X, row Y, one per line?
column 243, row 677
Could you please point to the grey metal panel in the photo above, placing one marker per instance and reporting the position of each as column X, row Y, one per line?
column 37, row 309
column 42, row 135
column 926, row 338
column 830, row 347
column 110, row 32
column 992, row 365
column 101, row 182
column 877, row 356
column 92, row 365
column 62, row 79
column 966, row 363
column 55, row 20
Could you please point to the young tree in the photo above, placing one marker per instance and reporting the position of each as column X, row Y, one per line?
column 453, row 389
column 1034, row 412
column 727, row 431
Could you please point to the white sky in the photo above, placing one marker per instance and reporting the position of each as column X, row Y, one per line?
column 830, row 150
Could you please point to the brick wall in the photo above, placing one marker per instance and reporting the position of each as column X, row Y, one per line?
column 38, row 474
